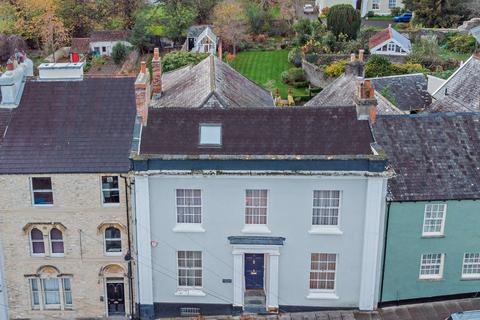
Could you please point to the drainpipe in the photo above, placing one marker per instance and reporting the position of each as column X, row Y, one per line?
column 389, row 203
column 128, row 256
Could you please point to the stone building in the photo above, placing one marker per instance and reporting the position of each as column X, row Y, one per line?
column 64, row 146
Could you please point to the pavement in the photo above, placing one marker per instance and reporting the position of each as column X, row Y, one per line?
column 377, row 23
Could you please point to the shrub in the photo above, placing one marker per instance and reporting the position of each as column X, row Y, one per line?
column 396, row 11
column 178, row 59
column 427, row 53
column 295, row 77
column 461, row 43
column 370, row 14
column 406, row 68
column 295, row 57
column 230, row 57
column 119, row 53
column 336, row 69
column 343, row 18
column 378, row 66
column 402, row 26
column 325, row 11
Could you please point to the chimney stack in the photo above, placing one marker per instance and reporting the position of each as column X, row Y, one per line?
column 13, row 81
column 361, row 53
column 142, row 93
column 352, row 57
column 156, row 73
column 365, row 101
column 220, row 49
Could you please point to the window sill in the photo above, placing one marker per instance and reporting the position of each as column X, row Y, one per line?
column 190, row 293
column 327, row 230
column 256, row 228
column 322, row 296
column 430, row 279
column 42, row 205
column 57, row 255
column 470, row 278
column 111, row 205
column 188, row 227
column 113, row 254
column 433, row 235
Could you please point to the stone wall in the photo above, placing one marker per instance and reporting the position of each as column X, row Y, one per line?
column 315, row 75
column 78, row 208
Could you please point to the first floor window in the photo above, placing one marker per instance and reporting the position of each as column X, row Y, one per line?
column 42, row 192
column 56, row 241
column 113, row 241
column 50, row 293
column 434, row 219
column 471, row 265
column 256, row 207
column 431, row 266
column 189, row 205
column 189, row 269
column 110, row 190
column 392, row 4
column 322, row 271
column 326, row 206
column 391, row 47
column 37, row 242
column 376, row 4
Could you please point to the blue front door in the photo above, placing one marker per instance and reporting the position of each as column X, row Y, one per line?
column 254, row 271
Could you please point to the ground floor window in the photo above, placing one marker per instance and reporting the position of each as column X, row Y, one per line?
column 471, row 265
column 189, row 269
column 322, row 271
column 51, row 293
column 431, row 266
column 376, row 4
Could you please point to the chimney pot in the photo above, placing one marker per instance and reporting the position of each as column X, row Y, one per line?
column 352, row 57
column 360, row 54
column 10, row 66
column 143, row 67
column 156, row 54
column 220, row 50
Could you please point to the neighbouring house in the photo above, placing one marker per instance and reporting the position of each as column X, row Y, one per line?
column 210, row 83
column 378, row 7
column 201, row 39
column 432, row 237
column 80, row 46
column 390, row 42
column 254, row 208
column 65, row 142
column 102, row 42
column 461, row 91
column 342, row 91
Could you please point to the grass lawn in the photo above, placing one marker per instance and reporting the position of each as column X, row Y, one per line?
column 381, row 18
column 262, row 66
column 447, row 54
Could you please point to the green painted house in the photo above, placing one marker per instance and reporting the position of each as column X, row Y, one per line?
column 432, row 242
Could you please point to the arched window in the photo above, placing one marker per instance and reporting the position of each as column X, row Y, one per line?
column 37, row 242
column 113, row 241
column 56, row 241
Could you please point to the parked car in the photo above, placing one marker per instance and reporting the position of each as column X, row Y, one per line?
column 465, row 315
column 404, row 17
column 308, row 9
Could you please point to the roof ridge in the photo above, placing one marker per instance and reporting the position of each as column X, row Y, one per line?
column 212, row 74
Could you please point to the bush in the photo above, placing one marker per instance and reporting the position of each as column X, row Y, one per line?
column 336, row 69
column 343, row 18
column 402, row 26
column 325, row 11
column 461, row 43
column 378, row 66
column 295, row 57
column 396, row 11
column 370, row 14
column 178, row 59
column 119, row 53
column 406, row 68
column 427, row 53
column 295, row 77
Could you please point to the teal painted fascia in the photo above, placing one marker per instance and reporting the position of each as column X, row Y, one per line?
column 405, row 245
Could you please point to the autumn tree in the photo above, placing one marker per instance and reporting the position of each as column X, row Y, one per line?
column 53, row 33
column 229, row 22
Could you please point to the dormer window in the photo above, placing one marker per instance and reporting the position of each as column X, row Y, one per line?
column 210, row 134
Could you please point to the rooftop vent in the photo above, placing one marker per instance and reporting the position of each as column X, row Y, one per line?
column 61, row 71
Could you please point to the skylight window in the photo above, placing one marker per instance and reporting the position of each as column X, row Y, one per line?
column 210, row 134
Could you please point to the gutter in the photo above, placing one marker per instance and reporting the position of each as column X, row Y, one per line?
column 128, row 256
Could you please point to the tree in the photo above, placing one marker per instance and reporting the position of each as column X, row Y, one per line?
column 343, row 18
column 179, row 18
column 229, row 22
column 7, row 18
column 78, row 16
column 258, row 18
column 178, row 59
column 119, row 53
column 378, row 66
column 52, row 31
column 139, row 36
column 438, row 13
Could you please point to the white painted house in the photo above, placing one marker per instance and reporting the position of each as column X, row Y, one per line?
column 390, row 42
column 201, row 39
column 256, row 209
column 378, row 7
column 102, row 42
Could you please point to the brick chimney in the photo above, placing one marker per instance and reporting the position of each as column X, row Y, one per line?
column 156, row 73
column 143, row 93
column 13, row 81
column 220, row 49
column 365, row 101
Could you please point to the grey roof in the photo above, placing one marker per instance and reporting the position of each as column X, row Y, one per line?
column 195, row 31
column 208, row 32
column 389, row 34
column 476, row 33
column 71, row 127
column 256, row 240
column 436, row 156
column 211, row 83
column 450, row 104
column 400, row 38
column 5, row 115
column 341, row 92
column 463, row 86
column 407, row 92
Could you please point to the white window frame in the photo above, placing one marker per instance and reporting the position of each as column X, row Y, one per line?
column 326, row 228
column 189, row 290
column 392, row 4
column 391, row 46
column 31, row 243
column 258, row 228
column 41, row 294
column 328, row 294
column 110, row 204
column 32, row 193
column 188, row 226
column 375, row 4
column 476, row 264
column 65, row 305
column 114, row 254
column 432, row 276
column 60, row 298
column 204, row 143
column 442, row 226
column 51, row 243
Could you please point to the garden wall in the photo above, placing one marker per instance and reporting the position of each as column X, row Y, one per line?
column 315, row 75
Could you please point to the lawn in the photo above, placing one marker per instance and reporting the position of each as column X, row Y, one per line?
column 263, row 67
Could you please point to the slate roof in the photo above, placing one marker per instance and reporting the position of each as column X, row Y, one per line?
column 407, row 92
column 388, row 34
column 463, row 86
column 210, row 83
column 450, row 104
column 435, row 156
column 258, row 131
column 109, row 35
column 80, row 45
column 4, row 120
column 71, row 127
column 476, row 33
column 195, row 31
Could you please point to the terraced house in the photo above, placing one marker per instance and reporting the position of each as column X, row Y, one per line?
column 432, row 235
column 245, row 207
column 64, row 146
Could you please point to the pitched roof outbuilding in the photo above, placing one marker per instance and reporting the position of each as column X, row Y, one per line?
column 80, row 45
column 109, row 35
column 71, row 127
column 435, row 156
column 389, row 34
